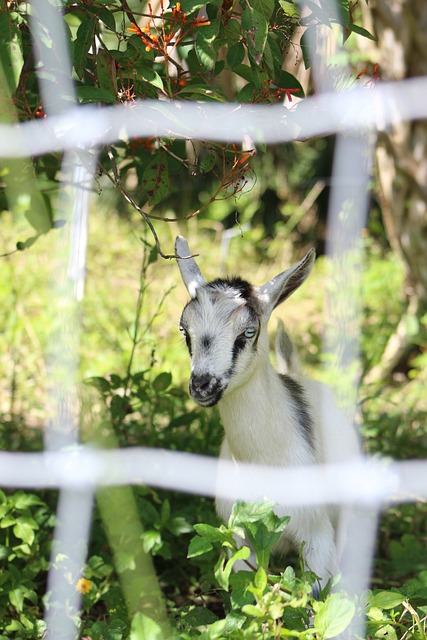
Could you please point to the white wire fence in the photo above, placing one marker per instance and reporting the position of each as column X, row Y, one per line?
column 368, row 485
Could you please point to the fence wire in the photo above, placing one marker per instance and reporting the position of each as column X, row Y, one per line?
column 366, row 485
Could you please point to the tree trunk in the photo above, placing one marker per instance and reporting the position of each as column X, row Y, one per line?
column 401, row 162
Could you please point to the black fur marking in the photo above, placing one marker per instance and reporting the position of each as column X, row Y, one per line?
column 299, row 401
column 186, row 335
column 188, row 343
column 243, row 288
column 206, row 342
column 238, row 346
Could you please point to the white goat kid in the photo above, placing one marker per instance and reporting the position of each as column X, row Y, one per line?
column 268, row 418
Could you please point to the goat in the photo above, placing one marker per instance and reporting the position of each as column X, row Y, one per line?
column 269, row 418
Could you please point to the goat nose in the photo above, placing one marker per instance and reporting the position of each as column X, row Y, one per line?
column 201, row 382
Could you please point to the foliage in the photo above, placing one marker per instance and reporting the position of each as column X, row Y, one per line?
column 223, row 51
column 25, row 525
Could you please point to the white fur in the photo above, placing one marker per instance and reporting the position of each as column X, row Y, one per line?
column 260, row 422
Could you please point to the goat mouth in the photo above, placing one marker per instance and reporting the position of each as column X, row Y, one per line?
column 207, row 400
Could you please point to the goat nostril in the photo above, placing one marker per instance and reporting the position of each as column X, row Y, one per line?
column 201, row 382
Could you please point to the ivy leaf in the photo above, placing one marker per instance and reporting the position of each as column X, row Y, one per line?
column 155, row 180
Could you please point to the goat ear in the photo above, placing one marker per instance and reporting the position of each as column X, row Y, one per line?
column 190, row 272
column 282, row 286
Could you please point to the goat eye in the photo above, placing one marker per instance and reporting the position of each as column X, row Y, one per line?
column 250, row 332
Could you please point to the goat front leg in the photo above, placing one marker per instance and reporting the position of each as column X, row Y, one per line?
column 320, row 553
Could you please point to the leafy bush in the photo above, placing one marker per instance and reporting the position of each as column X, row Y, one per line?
column 25, row 530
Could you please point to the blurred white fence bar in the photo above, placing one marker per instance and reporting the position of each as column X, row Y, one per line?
column 366, row 481
column 358, row 109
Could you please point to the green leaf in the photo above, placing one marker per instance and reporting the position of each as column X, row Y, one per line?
column 152, row 77
column 264, row 7
column 386, row 600
column 256, row 27
column 260, row 580
column 39, row 215
column 207, row 163
column 388, row 632
column 213, row 534
column 16, row 599
column 145, row 628
column 102, row 384
column 235, row 55
column 334, row 616
column 232, row 32
column 190, row 6
column 308, row 45
column 82, row 44
column 103, row 14
column 106, row 71
column 151, row 540
column 289, row 8
column 253, row 610
column 222, row 571
column 343, row 12
column 361, row 31
column 205, row 46
column 272, row 57
column 179, row 525
column 95, row 94
column 247, row 93
column 24, row 530
column 199, row 616
column 198, row 546
column 195, row 92
column 162, row 381
column 24, row 500
column 155, row 180
column 240, row 594
column 244, row 72
column 7, row 521
column 11, row 56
